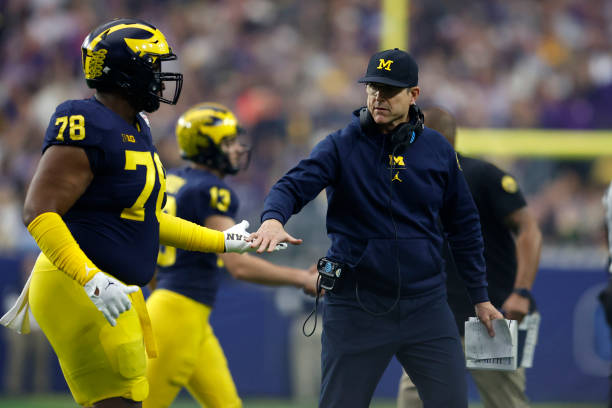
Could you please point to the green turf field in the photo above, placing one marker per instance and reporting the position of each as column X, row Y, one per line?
column 61, row 401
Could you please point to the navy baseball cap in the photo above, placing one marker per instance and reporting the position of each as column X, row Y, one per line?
column 392, row 67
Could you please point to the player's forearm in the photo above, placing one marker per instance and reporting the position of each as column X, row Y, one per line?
column 256, row 270
column 180, row 233
column 57, row 243
column 528, row 248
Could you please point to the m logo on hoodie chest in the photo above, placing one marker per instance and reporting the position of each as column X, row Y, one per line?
column 397, row 162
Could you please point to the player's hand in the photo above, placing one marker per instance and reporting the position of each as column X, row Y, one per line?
column 516, row 307
column 236, row 239
column 109, row 295
column 486, row 312
column 269, row 235
column 310, row 284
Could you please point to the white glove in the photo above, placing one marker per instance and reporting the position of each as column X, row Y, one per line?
column 235, row 239
column 109, row 295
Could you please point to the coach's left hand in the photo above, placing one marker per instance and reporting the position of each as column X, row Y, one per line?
column 486, row 312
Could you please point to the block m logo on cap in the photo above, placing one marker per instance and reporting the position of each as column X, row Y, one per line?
column 385, row 64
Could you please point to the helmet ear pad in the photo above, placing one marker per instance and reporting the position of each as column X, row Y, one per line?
column 137, row 82
column 143, row 88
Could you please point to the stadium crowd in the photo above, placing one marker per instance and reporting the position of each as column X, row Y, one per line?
column 289, row 71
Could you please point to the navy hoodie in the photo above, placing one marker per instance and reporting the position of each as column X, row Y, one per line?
column 383, row 212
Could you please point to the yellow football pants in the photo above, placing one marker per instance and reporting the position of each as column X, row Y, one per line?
column 189, row 354
column 98, row 361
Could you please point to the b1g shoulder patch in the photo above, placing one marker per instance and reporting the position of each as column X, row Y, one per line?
column 509, row 184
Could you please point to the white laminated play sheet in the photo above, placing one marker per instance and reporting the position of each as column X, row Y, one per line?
column 491, row 353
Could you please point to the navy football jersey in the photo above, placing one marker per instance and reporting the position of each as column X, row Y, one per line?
column 496, row 195
column 115, row 220
column 194, row 194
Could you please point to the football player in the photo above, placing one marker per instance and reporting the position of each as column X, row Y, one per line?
column 189, row 353
column 94, row 208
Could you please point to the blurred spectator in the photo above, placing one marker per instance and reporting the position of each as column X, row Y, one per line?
column 289, row 69
column 29, row 353
column 13, row 235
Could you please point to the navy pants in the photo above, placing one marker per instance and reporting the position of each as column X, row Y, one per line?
column 357, row 348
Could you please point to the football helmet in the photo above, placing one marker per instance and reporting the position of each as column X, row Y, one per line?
column 126, row 55
column 200, row 133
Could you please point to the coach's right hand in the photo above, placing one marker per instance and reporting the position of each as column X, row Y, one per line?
column 269, row 235
column 109, row 295
column 236, row 239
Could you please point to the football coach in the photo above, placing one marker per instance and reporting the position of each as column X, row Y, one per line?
column 394, row 190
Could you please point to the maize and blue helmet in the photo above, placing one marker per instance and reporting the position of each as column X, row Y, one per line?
column 125, row 55
column 201, row 130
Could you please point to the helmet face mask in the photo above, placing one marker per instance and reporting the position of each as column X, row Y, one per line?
column 126, row 55
column 207, row 134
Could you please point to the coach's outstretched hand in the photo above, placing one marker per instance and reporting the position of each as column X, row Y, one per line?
column 270, row 234
column 485, row 311
column 109, row 295
column 236, row 239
